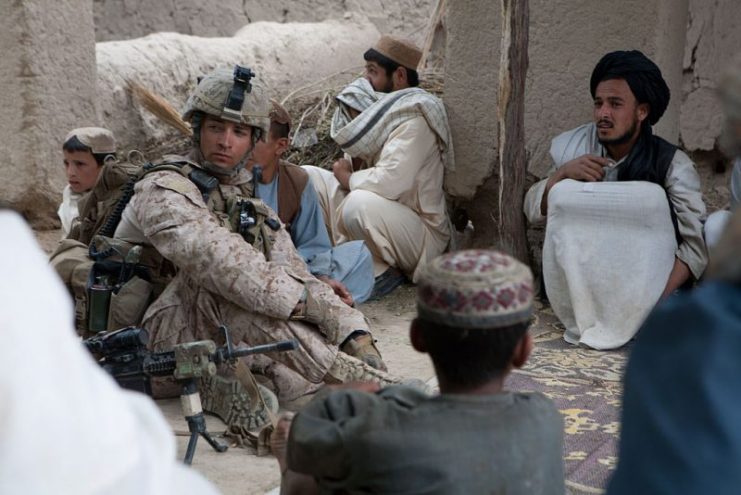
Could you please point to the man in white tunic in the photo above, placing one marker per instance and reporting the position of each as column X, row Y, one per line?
column 623, row 207
column 388, row 190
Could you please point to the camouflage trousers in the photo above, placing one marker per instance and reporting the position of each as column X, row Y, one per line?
column 186, row 312
column 287, row 384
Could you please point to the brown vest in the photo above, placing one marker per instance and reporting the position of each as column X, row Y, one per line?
column 292, row 180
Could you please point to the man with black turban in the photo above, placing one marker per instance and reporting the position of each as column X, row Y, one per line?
column 624, row 209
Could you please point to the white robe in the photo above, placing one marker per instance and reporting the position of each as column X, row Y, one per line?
column 602, row 270
column 65, row 426
column 68, row 210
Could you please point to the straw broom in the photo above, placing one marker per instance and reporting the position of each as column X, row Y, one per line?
column 160, row 108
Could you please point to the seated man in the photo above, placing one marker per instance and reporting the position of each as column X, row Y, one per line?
column 730, row 93
column 85, row 150
column 388, row 190
column 348, row 267
column 474, row 309
column 624, row 209
column 234, row 264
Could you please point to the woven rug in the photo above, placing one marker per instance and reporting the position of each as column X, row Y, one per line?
column 586, row 386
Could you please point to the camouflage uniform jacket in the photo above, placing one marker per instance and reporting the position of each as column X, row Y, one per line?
column 168, row 212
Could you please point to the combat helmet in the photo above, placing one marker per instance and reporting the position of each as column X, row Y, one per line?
column 232, row 96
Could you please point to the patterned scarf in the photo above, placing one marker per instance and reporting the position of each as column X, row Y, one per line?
column 381, row 113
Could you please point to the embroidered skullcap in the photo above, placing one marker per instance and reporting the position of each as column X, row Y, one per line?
column 98, row 139
column 401, row 51
column 475, row 289
column 279, row 114
column 642, row 75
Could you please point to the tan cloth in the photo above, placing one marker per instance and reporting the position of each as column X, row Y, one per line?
column 682, row 186
column 331, row 195
column 403, row 52
column 365, row 135
column 222, row 279
column 395, row 234
column 396, row 206
column 98, row 139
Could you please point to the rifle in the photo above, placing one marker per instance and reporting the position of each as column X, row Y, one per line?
column 124, row 355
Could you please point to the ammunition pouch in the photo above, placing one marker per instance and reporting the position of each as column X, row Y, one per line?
column 109, row 293
column 118, row 295
column 72, row 263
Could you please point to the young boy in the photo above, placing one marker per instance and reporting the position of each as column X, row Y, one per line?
column 474, row 309
column 348, row 267
column 85, row 150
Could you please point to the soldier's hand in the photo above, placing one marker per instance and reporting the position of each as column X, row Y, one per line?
column 321, row 312
column 586, row 168
column 339, row 289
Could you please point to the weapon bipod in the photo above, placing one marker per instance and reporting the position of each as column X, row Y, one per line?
column 190, row 400
column 195, row 360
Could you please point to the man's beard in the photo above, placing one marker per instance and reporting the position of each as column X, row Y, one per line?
column 625, row 138
column 389, row 88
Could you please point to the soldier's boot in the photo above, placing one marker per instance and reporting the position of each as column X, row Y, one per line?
column 349, row 369
column 362, row 345
column 227, row 398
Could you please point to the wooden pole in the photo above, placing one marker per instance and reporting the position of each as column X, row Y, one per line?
column 511, row 230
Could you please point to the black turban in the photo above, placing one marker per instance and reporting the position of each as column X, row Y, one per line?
column 642, row 75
